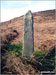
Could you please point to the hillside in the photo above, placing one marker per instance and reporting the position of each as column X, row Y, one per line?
column 12, row 61
column 44, row 30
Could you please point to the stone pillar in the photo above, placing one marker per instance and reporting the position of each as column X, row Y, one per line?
column 28, row 35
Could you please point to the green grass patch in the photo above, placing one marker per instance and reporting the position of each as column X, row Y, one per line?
column 40, row 54
column 15, row 49
column 46, row 58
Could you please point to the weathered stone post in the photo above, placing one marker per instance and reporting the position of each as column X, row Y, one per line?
column 28, row 35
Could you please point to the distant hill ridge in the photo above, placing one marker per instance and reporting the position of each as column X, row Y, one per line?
column 44, row 30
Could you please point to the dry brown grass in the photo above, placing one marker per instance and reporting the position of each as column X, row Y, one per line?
column 19, row 65
column 44, row 29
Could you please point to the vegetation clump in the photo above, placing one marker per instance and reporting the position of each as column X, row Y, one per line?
column 15, row 49
column 12, row 59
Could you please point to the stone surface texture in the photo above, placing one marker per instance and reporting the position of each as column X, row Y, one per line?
column 28, row 35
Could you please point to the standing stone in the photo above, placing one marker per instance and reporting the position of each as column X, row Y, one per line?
column 28, row 35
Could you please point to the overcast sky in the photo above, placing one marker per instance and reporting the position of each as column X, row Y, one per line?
column 16, row 8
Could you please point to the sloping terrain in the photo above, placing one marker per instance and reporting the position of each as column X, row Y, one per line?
column 41, row 61
column 19, row 65
column 12, row 31
column 44, row 30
